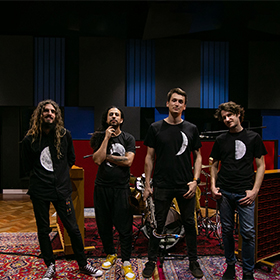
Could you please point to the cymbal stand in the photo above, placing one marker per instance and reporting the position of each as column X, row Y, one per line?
column 207, row 222
column 163, row 254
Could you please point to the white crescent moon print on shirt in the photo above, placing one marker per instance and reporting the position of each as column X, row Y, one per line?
column 46, row 160
column 240, row 149
column 184, row 144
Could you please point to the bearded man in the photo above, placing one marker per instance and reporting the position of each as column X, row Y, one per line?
column 114, row 152
column 48, row 154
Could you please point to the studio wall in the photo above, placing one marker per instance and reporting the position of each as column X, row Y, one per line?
column 101, row 74
column 16, row 70
column 10, row 147
column 263, row 75
column 177, row 65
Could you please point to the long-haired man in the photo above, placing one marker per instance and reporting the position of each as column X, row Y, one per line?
column 114, row 152
column 48, row 155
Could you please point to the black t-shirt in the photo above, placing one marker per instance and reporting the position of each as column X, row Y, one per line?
column 237, row 151
column 173, row 146
column 110, row 174
column 49, row 175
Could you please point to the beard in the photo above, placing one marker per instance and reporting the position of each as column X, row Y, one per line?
column 115, row 125
column 46, row 125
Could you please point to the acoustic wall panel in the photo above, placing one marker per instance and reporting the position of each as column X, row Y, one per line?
column 16, row 71
column 49, row 69
column 214, row 74
column 132, row 121
column 177, row 65
column 140, row 81
column 10, row 159
column 80, row 122
column 263, row 75
column 102, row 75
column 102, row 72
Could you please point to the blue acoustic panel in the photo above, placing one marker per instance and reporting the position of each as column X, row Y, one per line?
column 214, row 74
column 80, row 121
column 49, row 69
column 140, row 80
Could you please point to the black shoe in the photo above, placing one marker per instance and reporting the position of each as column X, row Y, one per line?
column 229, row 273
column 149, row 269
column 248, row 275
column 49, row 273
column 195, row 269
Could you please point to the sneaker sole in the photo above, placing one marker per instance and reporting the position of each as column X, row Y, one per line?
column 107, row 268
column 197, row 276
column 93, row 275
column 147, row 276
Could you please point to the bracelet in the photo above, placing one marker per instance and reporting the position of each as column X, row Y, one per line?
column 197, row 180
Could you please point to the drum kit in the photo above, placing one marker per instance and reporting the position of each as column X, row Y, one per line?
column 173, row 231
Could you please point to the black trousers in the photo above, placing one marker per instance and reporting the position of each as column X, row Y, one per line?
column 162, row 200
column 112, row 208
column 65, row 211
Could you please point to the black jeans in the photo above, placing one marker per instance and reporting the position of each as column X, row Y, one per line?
column 162, row 200
column 67, row 216
column 112, row 208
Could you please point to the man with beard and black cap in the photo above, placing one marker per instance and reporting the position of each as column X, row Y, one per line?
column 48, row 154
column 114, row 152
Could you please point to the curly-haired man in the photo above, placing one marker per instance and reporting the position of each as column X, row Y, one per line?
column 48, row 154
column 234, row 185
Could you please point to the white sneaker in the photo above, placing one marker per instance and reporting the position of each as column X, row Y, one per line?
column 49, row 273
column 89, row 270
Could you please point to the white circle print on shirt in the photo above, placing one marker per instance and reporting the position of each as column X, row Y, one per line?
column 240, row 149
column 116, row 149
column 46, row 159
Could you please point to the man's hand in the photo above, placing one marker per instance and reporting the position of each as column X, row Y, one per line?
column 110, row 131
column 192, row 190
column 249, row 198
column 216, row 192
column 147, row 191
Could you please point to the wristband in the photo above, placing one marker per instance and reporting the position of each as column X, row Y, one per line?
column 197, row 180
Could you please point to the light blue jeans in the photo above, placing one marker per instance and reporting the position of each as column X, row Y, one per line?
column 228, row 203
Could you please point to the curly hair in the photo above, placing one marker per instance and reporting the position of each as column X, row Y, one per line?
column 230, row 107
column 98, row 136
column 36, row 122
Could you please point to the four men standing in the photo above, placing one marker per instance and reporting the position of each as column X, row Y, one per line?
column 48, row 154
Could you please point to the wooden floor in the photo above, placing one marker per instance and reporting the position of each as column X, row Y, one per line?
column 16, row 213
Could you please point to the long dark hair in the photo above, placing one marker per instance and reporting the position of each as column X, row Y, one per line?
column 98, row 136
